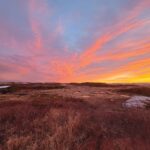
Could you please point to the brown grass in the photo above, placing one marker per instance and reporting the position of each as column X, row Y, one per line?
column 145, row 91
column 31, row 86
column 98, row 84
column 56, row 123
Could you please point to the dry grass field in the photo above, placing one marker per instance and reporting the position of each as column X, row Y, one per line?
column 87, row 116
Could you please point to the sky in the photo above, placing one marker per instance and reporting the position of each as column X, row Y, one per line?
column 75, row 41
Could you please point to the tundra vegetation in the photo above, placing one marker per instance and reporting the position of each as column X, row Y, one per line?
column 73, row 116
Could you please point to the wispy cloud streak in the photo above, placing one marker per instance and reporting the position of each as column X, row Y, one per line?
column 39, row 41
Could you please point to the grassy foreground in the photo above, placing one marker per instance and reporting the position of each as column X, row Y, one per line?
column 51, row 122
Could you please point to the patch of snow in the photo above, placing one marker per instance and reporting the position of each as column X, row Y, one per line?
column 137, row 101
column 4, row 86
